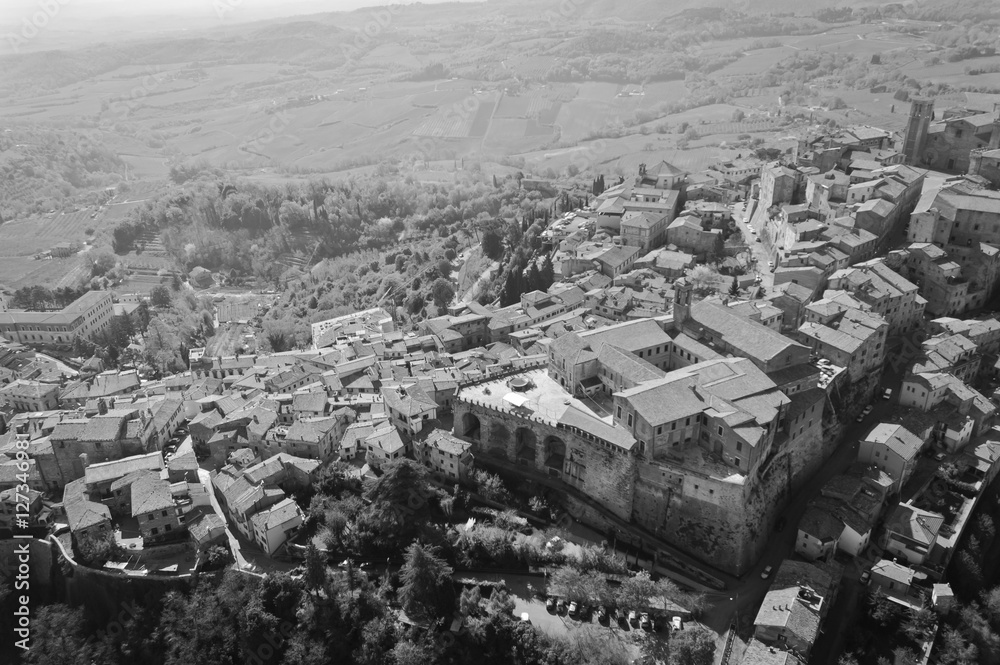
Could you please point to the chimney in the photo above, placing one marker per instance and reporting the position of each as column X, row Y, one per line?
column 102, row 407
column 256, row 420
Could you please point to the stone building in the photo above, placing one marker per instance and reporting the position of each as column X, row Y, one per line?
column 699, row 449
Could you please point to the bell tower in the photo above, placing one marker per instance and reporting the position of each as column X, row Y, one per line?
column 915, row 138
column 682, row 301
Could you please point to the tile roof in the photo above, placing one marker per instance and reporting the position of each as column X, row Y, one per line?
column 750, row 339
column 919, row 525
column 277, row 516
column 81, row 512
column 149, row 494
column 110, row 471
column 897, row 438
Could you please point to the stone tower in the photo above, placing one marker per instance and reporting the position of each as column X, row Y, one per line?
column 682, row 301
column 995, row 135
column 915, row 138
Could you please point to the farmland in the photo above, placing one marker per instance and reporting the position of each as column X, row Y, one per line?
column 472, row 87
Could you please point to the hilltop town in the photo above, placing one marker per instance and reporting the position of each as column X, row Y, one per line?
column 773, row 383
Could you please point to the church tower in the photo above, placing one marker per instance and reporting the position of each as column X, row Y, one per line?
column 682, row 301
column 915, row 138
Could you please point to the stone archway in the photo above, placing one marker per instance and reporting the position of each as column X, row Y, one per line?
column 471, row 427
column 555, row 455
column 525, row 446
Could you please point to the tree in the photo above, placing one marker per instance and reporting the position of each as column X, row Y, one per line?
column 548, row 273
column 693, row 646
column 444, row 268
column 442, row 292
column 919, row 624
column 101, row 263
column 956, row 650
column 491, row 486
column 159, row 296
column 316, row 572
column 734, row 288
column 279, row 334
column 59, row 635
column 704, row 280
column 492, row 244
column 427, row 592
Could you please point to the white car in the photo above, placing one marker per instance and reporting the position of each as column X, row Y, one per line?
column 766, row 572
column 887, row 394
column 770, row 264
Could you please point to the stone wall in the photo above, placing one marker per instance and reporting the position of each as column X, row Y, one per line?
column 720, row 522
column 607, row 476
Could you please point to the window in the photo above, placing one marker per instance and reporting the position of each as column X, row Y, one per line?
column 154, row 531
column 619, row 412
column 151, row 517
column 630, row 420
column 168, row 528
column 739, row 446
column 720, row 430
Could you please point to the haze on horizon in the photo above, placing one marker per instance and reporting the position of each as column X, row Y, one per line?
column 74, row 23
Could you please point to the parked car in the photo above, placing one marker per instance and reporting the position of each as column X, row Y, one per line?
column 602, row 614
column 676, row 623
column 633, row 618
column 865, row 576
column 938, row 457
column 644, row 622
column 868, row 409
column 550, row 604
column 573, row 608
column 756, row 239
column 621, row 617
column 766, row 572
column 561, row 606
column 887, row 394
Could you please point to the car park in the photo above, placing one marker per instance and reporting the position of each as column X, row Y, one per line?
column 766, row 572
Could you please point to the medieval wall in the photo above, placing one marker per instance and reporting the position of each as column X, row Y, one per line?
column 722, row 523
column 606, row 475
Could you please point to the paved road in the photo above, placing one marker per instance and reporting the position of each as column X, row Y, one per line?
column 757, row 249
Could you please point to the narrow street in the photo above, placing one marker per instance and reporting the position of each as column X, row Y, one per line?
column 234, row 543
